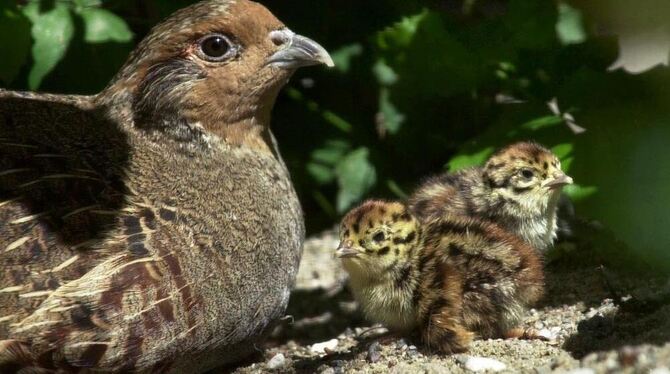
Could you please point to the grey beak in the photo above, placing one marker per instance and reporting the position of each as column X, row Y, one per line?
column 559, row 180
column 346, row 252
column 297, row 51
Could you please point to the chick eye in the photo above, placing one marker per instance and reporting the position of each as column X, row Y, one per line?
column 527, row 173
column 378, row 237
column 215, row 48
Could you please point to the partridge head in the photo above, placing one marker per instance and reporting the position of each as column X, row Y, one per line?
column 449, row 279
column 211, row 70
column 518, row 188
column 153, row 227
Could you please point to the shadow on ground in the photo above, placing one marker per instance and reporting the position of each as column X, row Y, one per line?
column 637, row 321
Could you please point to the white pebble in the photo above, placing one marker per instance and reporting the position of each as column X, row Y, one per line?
column 546, row 334
column 475, row 363
column 321, row 347
column 661, row 370
column 276, row 362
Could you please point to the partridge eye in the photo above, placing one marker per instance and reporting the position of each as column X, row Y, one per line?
column 527, row 173
column 215, row 48
column 378, row 237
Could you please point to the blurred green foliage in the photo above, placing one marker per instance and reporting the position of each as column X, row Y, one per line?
column 419, row 87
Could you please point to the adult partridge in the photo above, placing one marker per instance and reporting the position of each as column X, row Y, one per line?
column 153, row 226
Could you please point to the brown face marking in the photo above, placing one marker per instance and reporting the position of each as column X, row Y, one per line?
column 384, row 251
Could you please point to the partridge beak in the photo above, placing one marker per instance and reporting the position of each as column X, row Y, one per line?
column 346, row 252
column 297, row 51
column 558, row 181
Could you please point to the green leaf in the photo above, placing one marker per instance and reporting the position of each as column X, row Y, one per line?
column 570, row 26
column 562, row 150
column 355, row 176
column 14, row 40
column 465, row 160
column 578, row 192
column 322, row 174
column 542, row 122
column 342, row 57
column 80, row 4
column 103, row 26
column 52, row 32
column 331, row 152
column 427, row 57
column 391, row 118
column 532, row 23
column 401, row 33
column 384, row 73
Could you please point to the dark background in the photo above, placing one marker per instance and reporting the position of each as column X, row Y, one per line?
column 426, row 86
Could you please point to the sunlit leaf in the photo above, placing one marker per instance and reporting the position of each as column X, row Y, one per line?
column 355, row 176
column 103, row 26
column 344, row 56
column 542, row 122
column 570, row 26
column 390, row 117
column 463, row 160
column 401, row 33
column 578, row 192
column 52, row 32
column 322, row 174
column 384, row 73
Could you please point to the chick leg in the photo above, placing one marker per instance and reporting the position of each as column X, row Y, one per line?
column 528, row 334
column 445, row 333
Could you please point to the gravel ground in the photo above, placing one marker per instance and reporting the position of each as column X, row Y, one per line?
column 601, row 321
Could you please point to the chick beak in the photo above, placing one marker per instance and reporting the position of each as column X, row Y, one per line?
column 344, row 251
column 559, row 180
column 297, row 51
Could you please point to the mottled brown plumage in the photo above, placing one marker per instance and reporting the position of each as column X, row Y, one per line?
column 448, row 280
column 518, row 188
column 152, row 227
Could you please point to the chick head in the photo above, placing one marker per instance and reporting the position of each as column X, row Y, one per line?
column 526, row 173
column 377, row 236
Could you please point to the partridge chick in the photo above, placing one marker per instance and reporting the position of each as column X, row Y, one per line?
column 152, row 227
column 518, row 188
column 448, row 280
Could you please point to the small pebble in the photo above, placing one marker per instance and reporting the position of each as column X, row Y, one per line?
column 546, row 334
column 628, row 356
column 476, row 363
column 401, row 344
column 276, row 362
column 374, row 352
column 662, row 370
column 412, row 353
column 321, row 347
